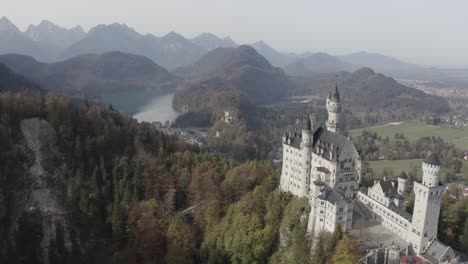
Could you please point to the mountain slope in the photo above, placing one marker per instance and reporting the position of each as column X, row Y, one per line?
column 222, row 60
column 233, row 69
column 12, row 82
column 317, row 63
column 92, row 73
column 400, row 69
column 170, row 51
column 367, row 90
column 373, row 60
column 275, row 57
column 210, row 41
column 125, row 80
column 12, row 40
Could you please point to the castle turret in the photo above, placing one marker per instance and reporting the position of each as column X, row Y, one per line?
column 428, row 198
column 334, row 122
column 306, row 149
column 431, row 170
column 402, row 184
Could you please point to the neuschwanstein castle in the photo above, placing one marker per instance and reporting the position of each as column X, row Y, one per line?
column 324, row 165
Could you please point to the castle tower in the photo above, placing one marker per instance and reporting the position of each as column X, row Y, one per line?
column 402, row 184
column 428, row 198
column 334, row 122
column 306, row 149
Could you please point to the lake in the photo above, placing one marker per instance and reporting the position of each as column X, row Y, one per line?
column 160, row 109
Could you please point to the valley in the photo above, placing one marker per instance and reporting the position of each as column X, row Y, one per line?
column 118, row 145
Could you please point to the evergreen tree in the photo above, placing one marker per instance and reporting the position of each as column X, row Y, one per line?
column 337, row 236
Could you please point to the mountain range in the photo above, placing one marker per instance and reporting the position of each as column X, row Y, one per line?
column 48, row 42
column 210, row 41
column 168, row 51
column 317, row 63
column 49, row 34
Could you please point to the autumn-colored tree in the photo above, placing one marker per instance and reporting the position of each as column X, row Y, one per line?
column 346, row 252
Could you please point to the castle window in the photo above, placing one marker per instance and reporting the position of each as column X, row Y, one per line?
column 340, row 209
column 340, row 218
column 425, row 234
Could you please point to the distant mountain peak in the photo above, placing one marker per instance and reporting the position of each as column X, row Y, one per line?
column 174, row 36
column 78, row 29
column 321, row 54
column 210, row 41
column 7, row 25
column 113, row 26
column 46, row 32
column 228, row 38
column 47, row 23
column 364, row 71
column 206, row 35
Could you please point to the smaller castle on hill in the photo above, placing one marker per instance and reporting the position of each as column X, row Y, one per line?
column 229, row 117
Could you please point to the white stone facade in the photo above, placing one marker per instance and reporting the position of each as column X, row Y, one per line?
column 387, row 203
column 324, row 166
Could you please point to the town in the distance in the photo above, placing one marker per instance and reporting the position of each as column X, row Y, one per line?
column 122, row 146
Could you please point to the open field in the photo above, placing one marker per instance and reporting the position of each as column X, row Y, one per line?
column 397, row 166
column 413, row 130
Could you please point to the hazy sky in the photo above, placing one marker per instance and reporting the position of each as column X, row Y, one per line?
column 429, row 32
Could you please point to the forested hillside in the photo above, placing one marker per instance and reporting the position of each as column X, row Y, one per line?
column 131, row 194
column 368, row 91
column 10, row 81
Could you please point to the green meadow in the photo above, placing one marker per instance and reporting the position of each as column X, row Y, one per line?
column 397, row 166
column 414, row 130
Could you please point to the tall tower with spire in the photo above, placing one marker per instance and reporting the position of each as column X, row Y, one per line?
column 334, row 122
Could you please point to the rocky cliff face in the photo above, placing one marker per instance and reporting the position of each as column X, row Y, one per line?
column 33, row 172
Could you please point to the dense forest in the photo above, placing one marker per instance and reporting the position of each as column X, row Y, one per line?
column 135, row 195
